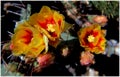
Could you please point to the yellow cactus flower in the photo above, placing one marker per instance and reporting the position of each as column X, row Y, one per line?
column 27, row 40
column 92, row 38
column 49, row 22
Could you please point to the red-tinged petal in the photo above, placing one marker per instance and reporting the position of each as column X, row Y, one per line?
column 59, row 22
column 50, row 20
column 91, row 45
column 95, row 34
column 43, row 24
column 27, row 37
column 54, row 34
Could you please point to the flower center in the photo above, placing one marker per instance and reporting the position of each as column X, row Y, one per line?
column 91, row 38
column 50, row 28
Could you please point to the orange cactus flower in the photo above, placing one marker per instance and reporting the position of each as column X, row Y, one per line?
column 49, row 22
column 27, row 40
column 92, row 38
column 87, row 58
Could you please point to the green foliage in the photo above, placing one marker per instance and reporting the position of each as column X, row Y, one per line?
column 10, row 70
column 26, row 12
column 108, row 8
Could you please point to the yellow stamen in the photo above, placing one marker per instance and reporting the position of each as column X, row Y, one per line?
column 50, row 28
column 91, row 38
